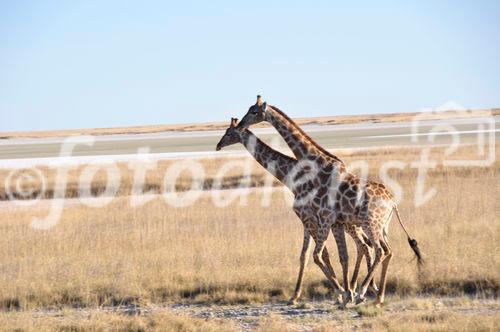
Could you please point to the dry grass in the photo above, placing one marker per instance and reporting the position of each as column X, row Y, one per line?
column 435, row 315
column 422, row 322
column 435, row 318
column 74, row 321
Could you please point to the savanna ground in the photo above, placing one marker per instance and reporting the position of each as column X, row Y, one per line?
column 204, row 267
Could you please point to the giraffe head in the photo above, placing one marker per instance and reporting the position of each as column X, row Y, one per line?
column 256, row 113
column 232, row 135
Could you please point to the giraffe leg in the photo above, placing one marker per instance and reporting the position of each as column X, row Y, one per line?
column 339, row 233
column 361, row 247
column 304, row 257
column 369, row 262
column 379, row 255
column 326, row 259
column 355, row 272
column 317, row 256
column 385, row 264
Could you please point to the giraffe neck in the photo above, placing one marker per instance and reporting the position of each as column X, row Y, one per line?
column 299, row 142
column 277, row 163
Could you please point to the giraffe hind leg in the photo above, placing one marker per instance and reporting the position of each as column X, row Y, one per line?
column 361, row 246
column 364, row 248
column 369, row 261
column 379, row 255
column 385, row 265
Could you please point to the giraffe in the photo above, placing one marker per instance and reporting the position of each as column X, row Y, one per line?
column 339, row 199
column 281, row 166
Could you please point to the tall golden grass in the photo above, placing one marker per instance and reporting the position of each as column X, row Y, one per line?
column 154, row 253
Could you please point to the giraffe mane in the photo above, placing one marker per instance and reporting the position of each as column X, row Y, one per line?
column 302, row 132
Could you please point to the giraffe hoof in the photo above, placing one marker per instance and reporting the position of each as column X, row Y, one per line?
column 360, row 299
column 374, row 289
column 379, row 303
column 338, row 299
column 292, row 301
column 348, row 297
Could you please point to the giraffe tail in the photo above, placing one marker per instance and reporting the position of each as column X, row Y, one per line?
column 412, row 242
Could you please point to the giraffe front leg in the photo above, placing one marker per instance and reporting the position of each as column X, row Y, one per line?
column 339, row 233
column 304, row 257
column 317, row 257
column 326, row 259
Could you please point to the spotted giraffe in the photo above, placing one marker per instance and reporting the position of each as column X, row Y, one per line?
column 282, row 166
column 339, row 199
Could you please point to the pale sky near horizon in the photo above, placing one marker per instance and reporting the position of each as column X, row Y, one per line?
column 119, row 63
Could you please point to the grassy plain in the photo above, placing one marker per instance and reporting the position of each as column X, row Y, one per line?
column 243, row 254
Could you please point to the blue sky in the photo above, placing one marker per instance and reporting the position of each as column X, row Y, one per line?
column 118, row 63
